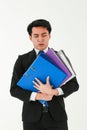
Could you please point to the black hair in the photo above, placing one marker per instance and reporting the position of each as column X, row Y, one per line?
column 38, row 23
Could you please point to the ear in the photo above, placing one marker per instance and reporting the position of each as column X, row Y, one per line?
column 49, row 35
column 30, row 37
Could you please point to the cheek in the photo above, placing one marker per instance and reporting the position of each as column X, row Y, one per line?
column 47, row 40
column 34, row 41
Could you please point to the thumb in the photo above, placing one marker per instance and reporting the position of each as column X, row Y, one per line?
column 48, row 80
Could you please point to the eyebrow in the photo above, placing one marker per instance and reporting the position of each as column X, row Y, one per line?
column 41, row 34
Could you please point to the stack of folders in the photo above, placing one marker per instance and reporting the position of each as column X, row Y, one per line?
column 61, row 60
column 67, row 63
column 55, row 65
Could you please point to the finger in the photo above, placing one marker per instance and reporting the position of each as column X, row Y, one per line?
column 38, row 81
column 36, row 87
column 35, row 83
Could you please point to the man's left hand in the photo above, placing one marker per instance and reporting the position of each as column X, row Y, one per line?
column 45, row 88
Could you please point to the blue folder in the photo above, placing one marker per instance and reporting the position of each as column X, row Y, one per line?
column 41, row 68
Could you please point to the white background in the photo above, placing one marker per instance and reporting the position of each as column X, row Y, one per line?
column 69, row 23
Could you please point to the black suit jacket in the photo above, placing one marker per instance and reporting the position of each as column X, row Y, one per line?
column 32, row 110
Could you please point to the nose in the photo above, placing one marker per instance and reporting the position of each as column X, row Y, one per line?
column 40, row 38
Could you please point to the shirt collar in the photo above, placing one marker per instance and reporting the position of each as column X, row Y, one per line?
column 37, row 51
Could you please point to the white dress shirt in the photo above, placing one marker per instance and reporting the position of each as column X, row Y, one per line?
column 33, row 94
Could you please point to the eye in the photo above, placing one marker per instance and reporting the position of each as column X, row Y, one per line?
column 44, row 35
column 35, row 36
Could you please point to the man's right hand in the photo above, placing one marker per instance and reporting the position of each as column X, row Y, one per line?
column 42, row 96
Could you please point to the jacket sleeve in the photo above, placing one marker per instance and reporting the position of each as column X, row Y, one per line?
column 16, row 91
column 70, row 87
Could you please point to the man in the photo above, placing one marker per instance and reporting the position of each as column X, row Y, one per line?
column 36, row 116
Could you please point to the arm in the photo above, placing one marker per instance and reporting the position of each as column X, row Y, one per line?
column 16, row 91
column 70, row 87
column 66, row 89
column 20, row 93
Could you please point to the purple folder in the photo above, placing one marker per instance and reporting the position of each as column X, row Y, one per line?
column 57, row 61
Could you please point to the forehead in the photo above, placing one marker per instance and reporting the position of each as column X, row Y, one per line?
column 39, row 30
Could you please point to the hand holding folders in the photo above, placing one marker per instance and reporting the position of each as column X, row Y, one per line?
column 48, row 64
column 43, row 88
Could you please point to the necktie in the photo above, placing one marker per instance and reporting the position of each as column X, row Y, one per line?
column 40, row 52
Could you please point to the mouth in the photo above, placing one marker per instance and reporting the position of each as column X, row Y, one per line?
column 41, row 44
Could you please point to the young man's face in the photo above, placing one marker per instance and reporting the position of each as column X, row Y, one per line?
column 40, row 37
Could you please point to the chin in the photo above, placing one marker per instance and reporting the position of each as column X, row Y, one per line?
column 41, row 48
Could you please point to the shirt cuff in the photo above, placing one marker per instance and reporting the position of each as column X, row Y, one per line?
column 33, row 95
column 60, row 91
